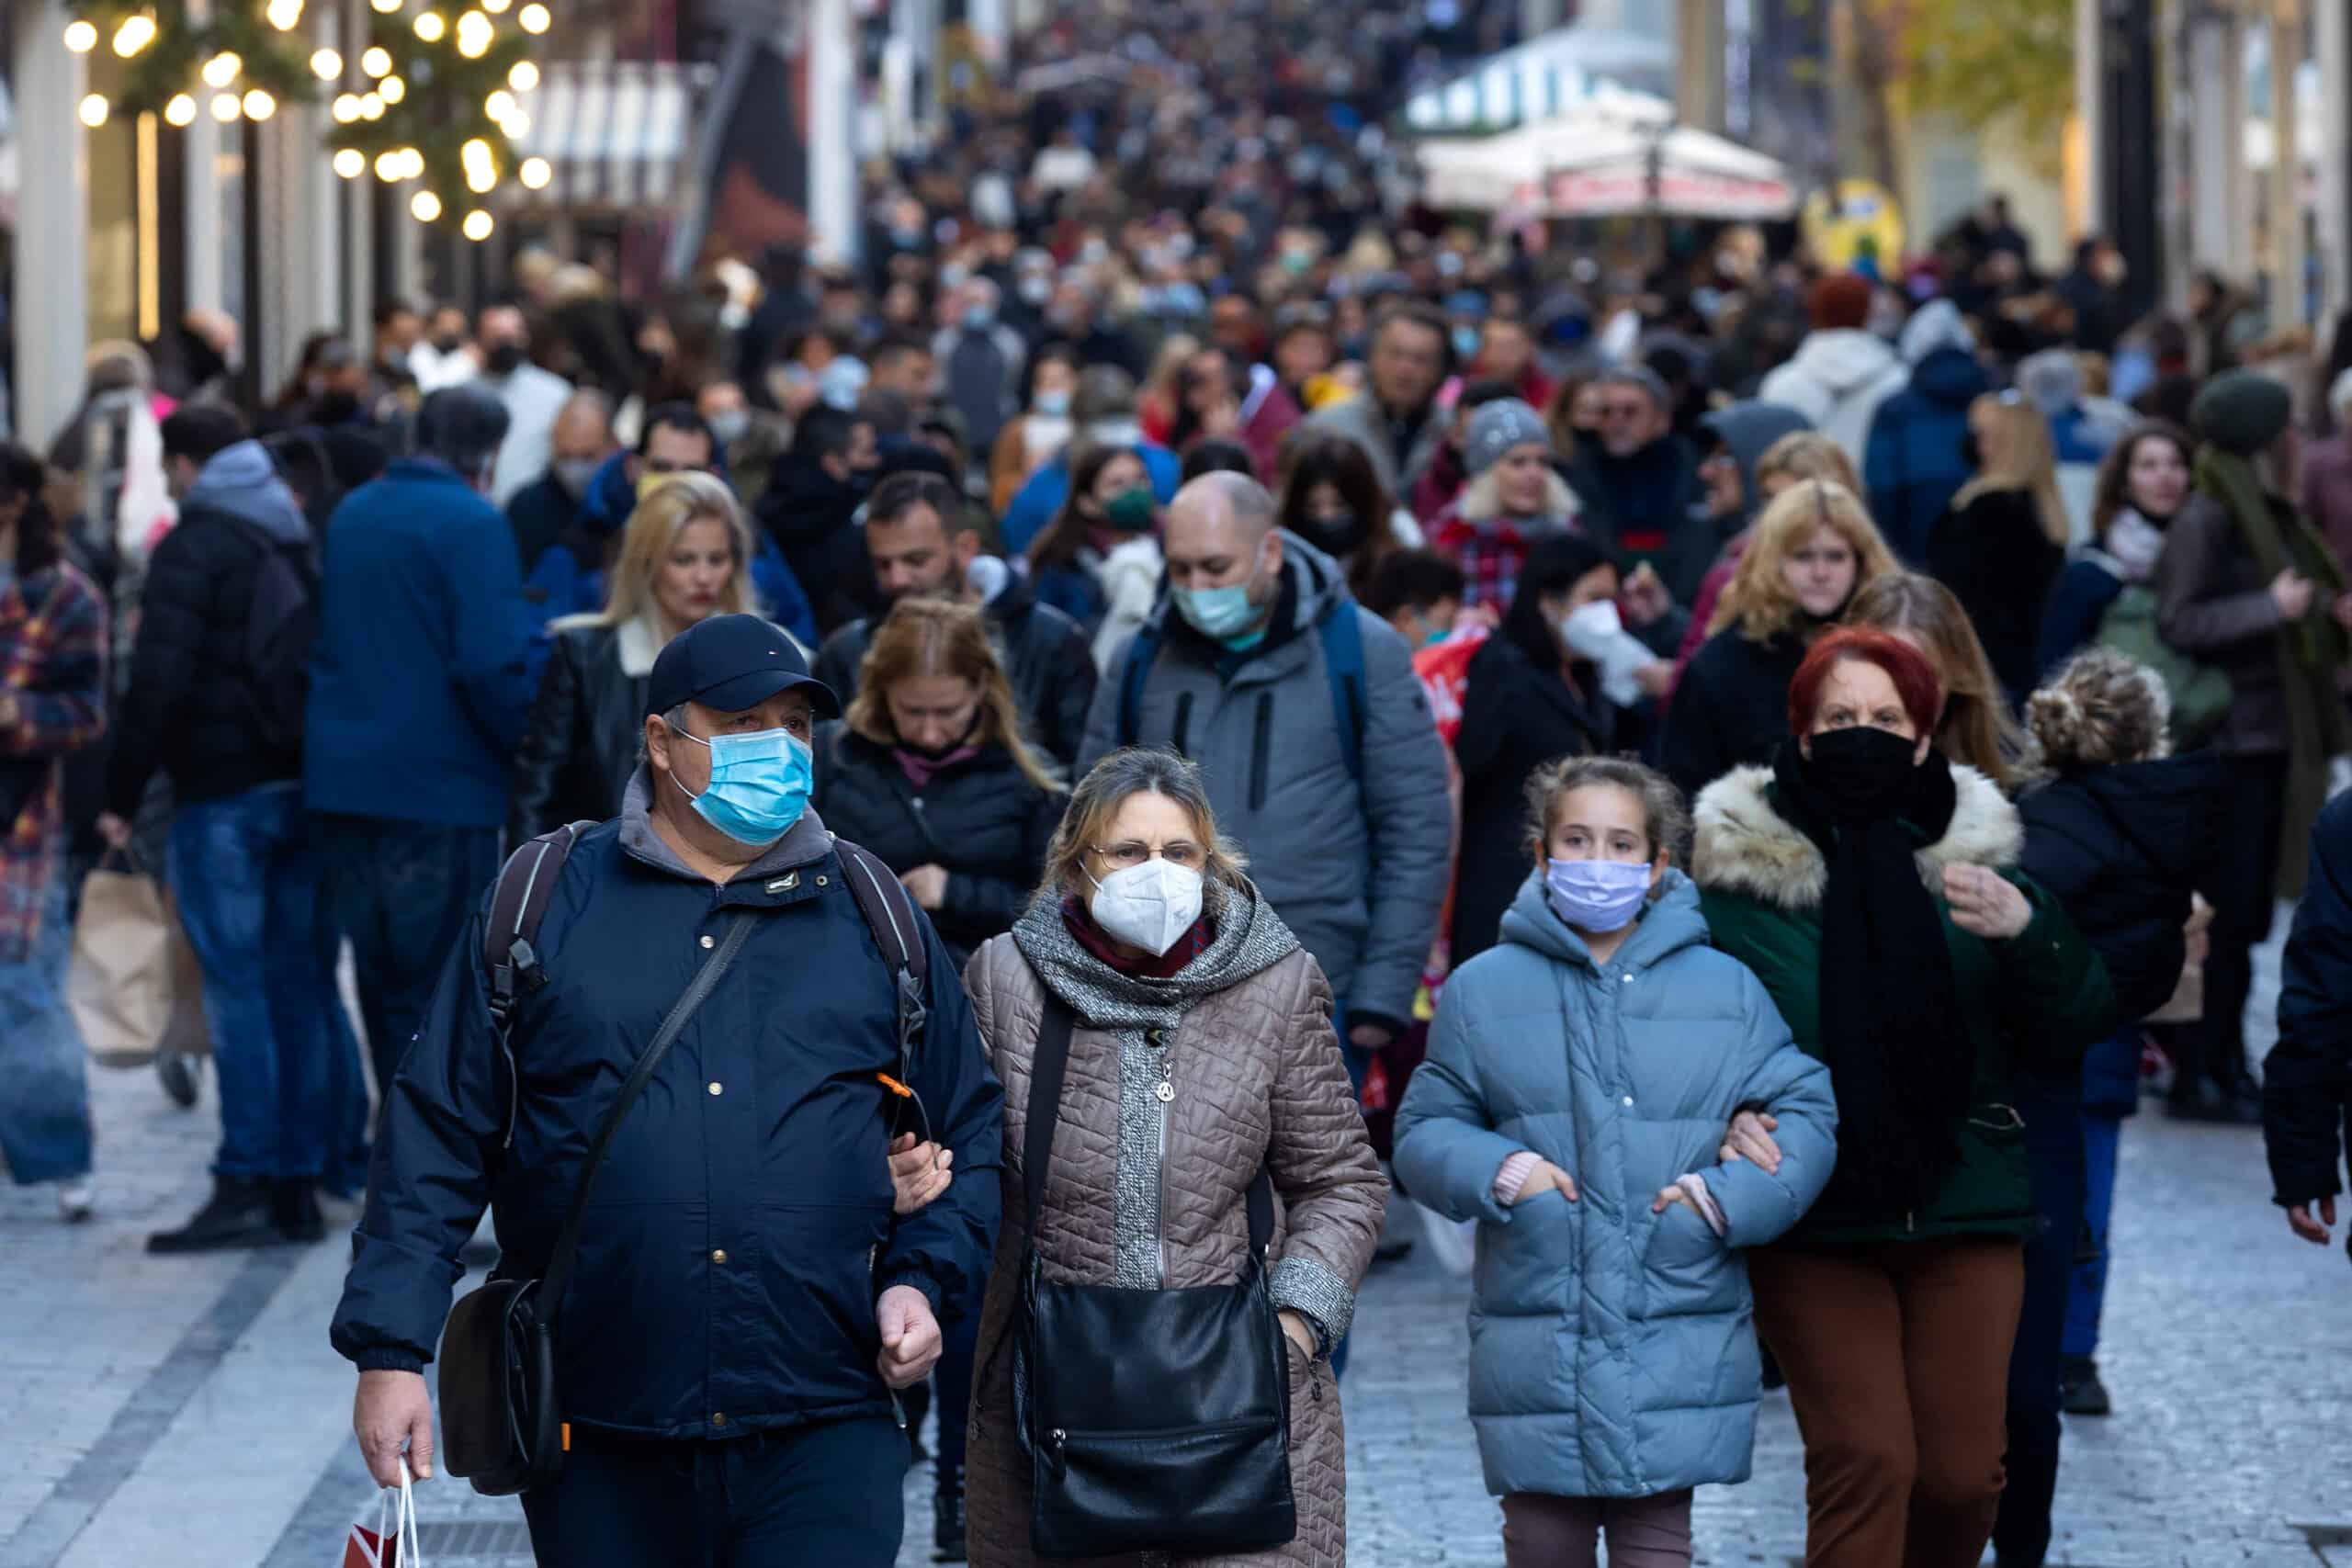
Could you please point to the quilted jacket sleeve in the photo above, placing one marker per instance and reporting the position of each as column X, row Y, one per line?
column 1322, row 1164
column 1447, row 1150
column 1783, row 1082
column 1412, row 832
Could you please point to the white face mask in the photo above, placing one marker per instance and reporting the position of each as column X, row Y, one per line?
column 1594, row 632
column 1147, row 905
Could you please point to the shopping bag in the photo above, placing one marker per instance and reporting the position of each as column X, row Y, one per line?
column 133, row 985
column 393, row 1540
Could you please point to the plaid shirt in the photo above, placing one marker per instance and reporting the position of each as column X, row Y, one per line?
column 53, row 701
column 1489, row 555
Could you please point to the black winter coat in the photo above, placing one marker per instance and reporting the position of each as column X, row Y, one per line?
column 809, row 514
column 1730, row 708
column 188, row 708
column 1515, row 718
column 984, row 821
column 2121, row 849
column 586, row 730
column 2307, row 1082
column 1046, row 652
column 1999, row 564
column 541, row 512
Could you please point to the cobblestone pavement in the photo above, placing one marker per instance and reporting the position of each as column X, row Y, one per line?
column 189, row 1410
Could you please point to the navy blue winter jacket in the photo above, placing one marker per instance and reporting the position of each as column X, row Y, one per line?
column 1915, row 463
column 2307, row 1082
column 740, row 1230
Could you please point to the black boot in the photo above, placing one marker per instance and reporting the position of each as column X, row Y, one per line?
column 2079, row 1391
column 296, row 1205
column 948, row 1516
column 239, row 1213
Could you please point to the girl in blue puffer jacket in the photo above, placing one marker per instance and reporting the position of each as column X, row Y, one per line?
column 1580, row 1080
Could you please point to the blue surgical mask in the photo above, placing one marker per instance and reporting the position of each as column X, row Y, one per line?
column 1466, row 341
column 758, row 784
column 1053, row 405
column 1223, row 614
column 1597, row 895
column 978, row 317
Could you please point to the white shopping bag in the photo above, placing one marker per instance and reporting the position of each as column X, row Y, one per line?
column 382, row 1548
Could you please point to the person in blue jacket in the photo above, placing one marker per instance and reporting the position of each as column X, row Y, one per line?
column 1104, row 414
column 1581, row 1080
column 750, row 1292
column 1916, row 458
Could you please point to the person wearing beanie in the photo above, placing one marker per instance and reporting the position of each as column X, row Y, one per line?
column 1841, row 372
column 2327, row 472
column 2246, row 584
column 1515, row 498
column 1915, row 459
column 1649, row 505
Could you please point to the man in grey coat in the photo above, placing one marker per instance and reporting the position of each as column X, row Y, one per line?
column 1395, row 419
column 1348, row 839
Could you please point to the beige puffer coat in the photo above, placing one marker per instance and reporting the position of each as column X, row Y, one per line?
column 1258, row 1079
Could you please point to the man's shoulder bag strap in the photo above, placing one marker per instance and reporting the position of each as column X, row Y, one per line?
column 891, row 916
column 517, row 902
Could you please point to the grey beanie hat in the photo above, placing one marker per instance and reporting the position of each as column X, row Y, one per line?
column 1495, row 428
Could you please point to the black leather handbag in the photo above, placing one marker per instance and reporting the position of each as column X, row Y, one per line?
column 1153, row 1420
column 502, row 1415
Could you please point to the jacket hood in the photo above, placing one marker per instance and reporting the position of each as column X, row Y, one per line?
column 242, row 481
column 1668, row 923
column 606, row 505
column 2164, row 807
column 1744, row 845
column 1748, row 430
column 1844, row 359
column 1937, row 325
column 1951, row 375
column 1250, row 939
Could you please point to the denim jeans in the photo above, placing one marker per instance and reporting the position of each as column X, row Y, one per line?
column 44, row 1099
column 403, row 893
column 2086, row 1291
column 246, row 871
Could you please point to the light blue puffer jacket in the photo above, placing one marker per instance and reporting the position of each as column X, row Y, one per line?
column 1611, row 1353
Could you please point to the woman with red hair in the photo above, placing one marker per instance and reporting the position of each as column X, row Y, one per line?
column 1871, row 885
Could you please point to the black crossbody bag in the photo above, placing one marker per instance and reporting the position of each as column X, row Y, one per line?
column 1153, row 1420
column 502, row 1415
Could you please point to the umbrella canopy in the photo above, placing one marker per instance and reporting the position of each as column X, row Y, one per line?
column 1590, row 166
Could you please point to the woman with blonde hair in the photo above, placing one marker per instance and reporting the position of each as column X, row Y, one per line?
column 1791, row 459
column 1979, row 730
column 1169, row 1067
column 685, row 555
column 2001, row 543
column 1813, row 549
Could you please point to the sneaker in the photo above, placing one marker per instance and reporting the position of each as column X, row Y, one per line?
column 177, row 1072
column 295, row 1205
column 2079, row 1391
column 1454, row 1244
column 74, row 1201
column 239, row 1213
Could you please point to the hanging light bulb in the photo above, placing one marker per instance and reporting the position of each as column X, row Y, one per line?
column 371, row 105
column 377, row 62
column 516, row 126
column 476, row 225
column 135, row 34
column 259, row 105
column 431, row 25
column 425, row 206
column 181, row 110
column 481, row 172
column 284, row 15
column 536, row 173
column 389, row 168
column 392, row 88
column 351, row 162
column 94, row 110
column 534, row 17
column 221, row 70
column 385, row 8
column 412, row 163
column 523, row 77
column 81, row 36
column 473, row 46
column 499, row 104
column 345, row 108
column 326, row 64
column 496, row 7
column 225, row 107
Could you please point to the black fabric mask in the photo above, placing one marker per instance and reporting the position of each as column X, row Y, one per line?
column 503, row 360
column 1857, row 773
column 334, row 408
column 1339, row 538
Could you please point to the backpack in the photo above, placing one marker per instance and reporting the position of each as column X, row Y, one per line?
column 1342, row 662
column 527, row 885
column 279, row 630
column 2200, row 692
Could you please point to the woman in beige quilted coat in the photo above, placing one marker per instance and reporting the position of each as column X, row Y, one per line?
column 1190, row 1067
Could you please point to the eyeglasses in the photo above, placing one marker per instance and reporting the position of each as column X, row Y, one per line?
column 1126, row 856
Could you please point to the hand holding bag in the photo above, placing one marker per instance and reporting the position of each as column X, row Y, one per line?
column 132, row 985
column 392, row 1543
column 1154, row 1420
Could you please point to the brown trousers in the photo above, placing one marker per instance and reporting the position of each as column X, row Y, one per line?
column 1564, row 1532
column 1897, row 1357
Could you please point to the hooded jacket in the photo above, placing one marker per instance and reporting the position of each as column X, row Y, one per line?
column 2033, row 1002
column 1148, row 1194
column 188, row 708
column 1837, row 378
column 742, row 1226
column 1914, row 460
column 1356, row 866
column 1624, row 1073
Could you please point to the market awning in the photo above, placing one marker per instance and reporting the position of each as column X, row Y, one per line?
column 618, row 133
column 1602, row 166
column 1561, row 71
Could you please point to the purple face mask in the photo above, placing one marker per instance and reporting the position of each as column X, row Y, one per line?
column 1597, row 895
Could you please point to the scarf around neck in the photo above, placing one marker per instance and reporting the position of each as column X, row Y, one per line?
column 1901, row 1067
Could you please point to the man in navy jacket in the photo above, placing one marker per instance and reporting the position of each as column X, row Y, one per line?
column 2307, row 1082
column 746, row 1302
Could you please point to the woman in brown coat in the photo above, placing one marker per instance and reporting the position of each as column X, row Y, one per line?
column 1202, row 1049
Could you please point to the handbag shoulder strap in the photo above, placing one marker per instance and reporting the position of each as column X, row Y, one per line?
column 567, row 1242
column 1046, row 1074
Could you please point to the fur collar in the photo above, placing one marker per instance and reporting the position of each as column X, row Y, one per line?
column 1745, row 846
column 1480, row 502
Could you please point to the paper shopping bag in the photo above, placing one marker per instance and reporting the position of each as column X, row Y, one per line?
column 133, row 985
column 393, row 1540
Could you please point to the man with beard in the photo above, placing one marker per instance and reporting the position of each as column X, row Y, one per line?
column 533, row 398
column 923, row 538
column 544, row 510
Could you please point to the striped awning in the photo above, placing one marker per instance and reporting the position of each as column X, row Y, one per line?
column 618, row 133
column 1561, row 71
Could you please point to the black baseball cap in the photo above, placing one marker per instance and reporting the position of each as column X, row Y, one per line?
column 732, row 663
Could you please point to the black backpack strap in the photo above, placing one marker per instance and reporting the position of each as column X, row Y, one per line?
column 897, row 932
column 517, row 902
column 567, row 1241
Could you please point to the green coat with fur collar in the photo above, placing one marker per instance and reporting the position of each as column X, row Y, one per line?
column 2032, row 1003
